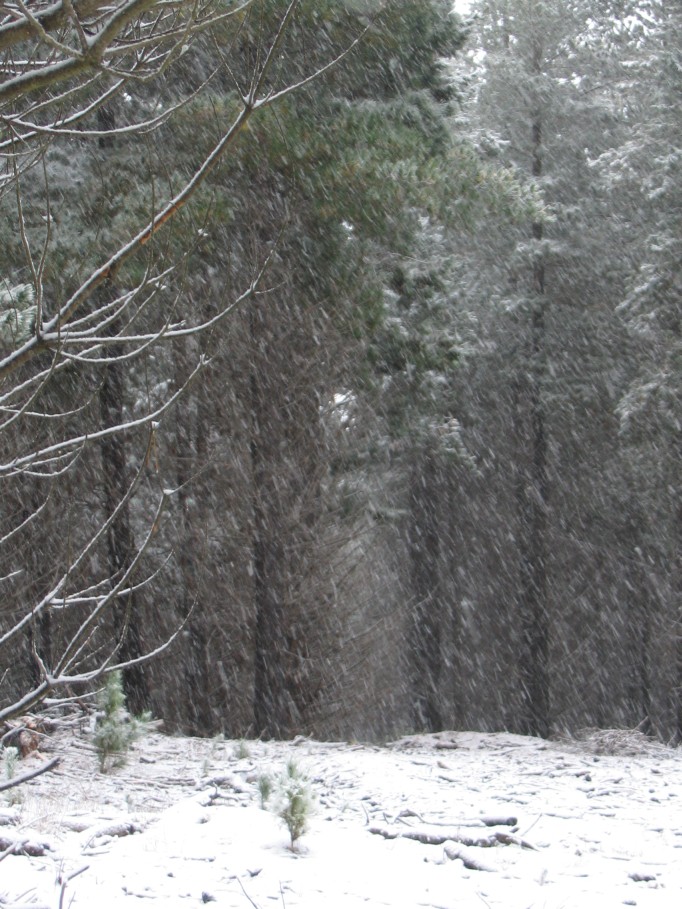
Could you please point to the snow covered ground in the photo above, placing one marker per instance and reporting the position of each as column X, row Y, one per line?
column 397, row 826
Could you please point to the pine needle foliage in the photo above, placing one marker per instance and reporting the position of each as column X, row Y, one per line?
column 265, row 786
column 116, row 729
column 294, row 801
column 17, row 314
column 9, row 758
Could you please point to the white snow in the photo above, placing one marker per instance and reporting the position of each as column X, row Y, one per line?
column 181, row 825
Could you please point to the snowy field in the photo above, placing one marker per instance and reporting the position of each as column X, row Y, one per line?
column 449, row 820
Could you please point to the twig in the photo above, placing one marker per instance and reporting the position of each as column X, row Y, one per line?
column 531, row 826
column 66, row 880
column 255, row 905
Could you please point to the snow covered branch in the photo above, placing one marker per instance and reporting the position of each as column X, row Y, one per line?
column 86, row 304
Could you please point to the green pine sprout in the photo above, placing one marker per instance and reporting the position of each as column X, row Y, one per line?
column 265, row 786
column 10, row 759
column 116, row 729
column 294, row 802
column 241, row 750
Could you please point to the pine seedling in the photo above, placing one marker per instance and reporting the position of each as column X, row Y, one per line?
column 241, row 750
column 10, row 759
column 116, row 729
column 294, row 802
column 215, row 742
column 265, row 786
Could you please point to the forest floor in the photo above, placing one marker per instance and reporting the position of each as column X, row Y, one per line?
column 456, row 819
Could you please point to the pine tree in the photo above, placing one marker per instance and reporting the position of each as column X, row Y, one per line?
column 538, row 389
column 644, row 177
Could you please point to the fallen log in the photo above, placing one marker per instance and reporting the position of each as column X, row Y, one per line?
column 22, row 847
column 112, row 831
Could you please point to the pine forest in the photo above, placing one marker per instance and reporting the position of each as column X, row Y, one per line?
column 341, row 364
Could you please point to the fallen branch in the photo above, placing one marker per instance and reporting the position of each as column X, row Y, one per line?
column 468, row 860
column 25, row 906
column 29, row 775
column 9, row 851
column 483, row 821
column 497, row 821
column 436, row 837
column 117, row 829
column 508, row 839
column 24, row 734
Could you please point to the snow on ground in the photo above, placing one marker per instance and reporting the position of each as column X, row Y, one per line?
column 181, row 825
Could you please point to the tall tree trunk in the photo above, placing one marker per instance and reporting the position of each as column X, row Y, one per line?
column 640, row 610
column 190, row 454
column 272, row 706
column 428, row 610
column 120, row 538
column 534, row 493
column 285, row 469
column 676, row 592
column 121, row 547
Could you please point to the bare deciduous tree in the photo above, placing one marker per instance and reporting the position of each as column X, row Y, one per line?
column 64, row 66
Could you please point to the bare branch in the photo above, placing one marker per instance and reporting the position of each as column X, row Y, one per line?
column 76, row 442
column 29, row 775
column 112, row 26
column 79, row 56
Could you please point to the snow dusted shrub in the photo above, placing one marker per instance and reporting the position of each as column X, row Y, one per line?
column 293, row 801
column 241, row 750
column 115, row 728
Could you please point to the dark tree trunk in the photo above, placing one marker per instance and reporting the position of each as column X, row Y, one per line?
column 285, row 469
column 275, row 712
column 425, row 646
column 120, row 538
column 533, row 502
column 640, row 609
column 121, row 547
column 676, row 613
column 534, row 657
column 190, row 455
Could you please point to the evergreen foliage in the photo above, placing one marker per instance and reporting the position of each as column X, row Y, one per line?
column 265, row 785
column 9, row 758
column 115, row 729
column 293, row 801
column 17, row 314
